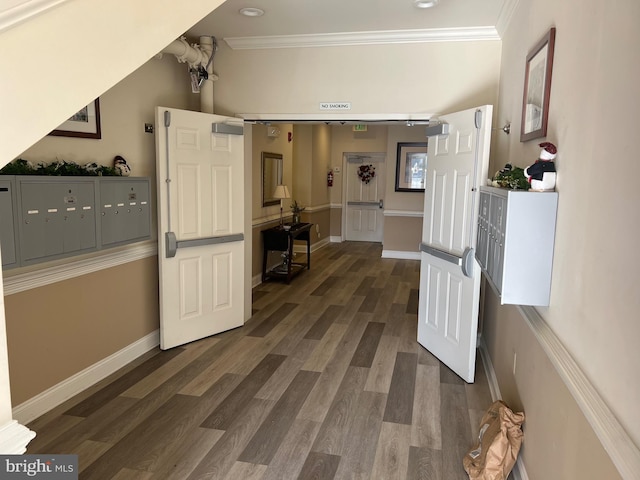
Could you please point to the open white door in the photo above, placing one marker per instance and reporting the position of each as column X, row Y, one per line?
column 457, row 165
column 200, row 172
column 364, row 219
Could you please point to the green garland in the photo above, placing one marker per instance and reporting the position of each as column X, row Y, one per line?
column 511, row 177
column 57, row 168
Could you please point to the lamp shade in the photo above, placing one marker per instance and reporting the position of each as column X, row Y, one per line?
column 281, row 191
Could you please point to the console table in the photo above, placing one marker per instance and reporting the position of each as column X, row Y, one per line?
column 281, row 240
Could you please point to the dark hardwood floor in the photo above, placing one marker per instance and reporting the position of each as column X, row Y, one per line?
column 325, row 381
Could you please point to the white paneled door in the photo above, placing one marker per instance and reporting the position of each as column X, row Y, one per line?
column 200, row 172
column 449, row 273
column 364, row 219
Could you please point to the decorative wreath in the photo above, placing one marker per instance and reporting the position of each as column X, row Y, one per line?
column 366, row 173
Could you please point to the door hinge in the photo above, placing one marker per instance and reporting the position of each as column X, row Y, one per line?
column 167, row 118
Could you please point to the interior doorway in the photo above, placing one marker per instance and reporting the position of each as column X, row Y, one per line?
column 363, row 196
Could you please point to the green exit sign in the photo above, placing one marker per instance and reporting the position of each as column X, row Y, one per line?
column 359, row 127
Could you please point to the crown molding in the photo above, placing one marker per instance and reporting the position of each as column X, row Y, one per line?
column 384, row 37
column 505, row 16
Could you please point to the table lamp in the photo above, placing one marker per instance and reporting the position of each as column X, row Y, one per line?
column 281, row 193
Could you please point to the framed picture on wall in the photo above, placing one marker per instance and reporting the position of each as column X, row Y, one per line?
column 537, row 87
column 411, row 166
column 85, row 123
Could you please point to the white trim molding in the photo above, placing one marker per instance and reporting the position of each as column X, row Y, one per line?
column 318, row 208
column 381, row 118
column 14, row 438
column 54, row 396
column 261, row 221
column 401, row 255
column 505, row 16
column 386, row 37
column 624, row 454
column 403, row 213
column 20, row 10
column 39, row 277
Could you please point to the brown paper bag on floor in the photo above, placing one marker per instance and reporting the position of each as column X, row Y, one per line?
column 499, row 441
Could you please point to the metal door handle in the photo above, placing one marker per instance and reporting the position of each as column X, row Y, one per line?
column 363, row 203
column 381, row 203
column 465, row 262
column 441, row 254
column 172, row 244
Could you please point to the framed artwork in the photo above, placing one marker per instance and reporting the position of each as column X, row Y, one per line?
column 411, row 167
column 85, row 123
column 272, row 165
column 537, row 86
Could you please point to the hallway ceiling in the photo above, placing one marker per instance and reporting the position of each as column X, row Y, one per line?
column 309, row 23
column 303, row 17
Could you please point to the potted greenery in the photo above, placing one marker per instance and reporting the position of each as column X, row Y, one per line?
column 296, row 208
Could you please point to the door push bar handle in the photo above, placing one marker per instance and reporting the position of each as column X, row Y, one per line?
column 465, row 261
column 172, row 244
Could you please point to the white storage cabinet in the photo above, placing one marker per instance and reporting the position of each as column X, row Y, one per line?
column 516, row 234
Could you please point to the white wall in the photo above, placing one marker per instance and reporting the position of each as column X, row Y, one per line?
column 124, row 109
column 409, row 78
column 595, row 100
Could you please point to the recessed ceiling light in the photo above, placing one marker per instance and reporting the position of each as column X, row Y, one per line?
column 425, row 3
column 251, row 12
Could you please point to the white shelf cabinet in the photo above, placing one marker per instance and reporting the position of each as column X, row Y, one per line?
column 516, row 233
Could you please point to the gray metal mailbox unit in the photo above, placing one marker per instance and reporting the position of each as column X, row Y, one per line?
column 57, row 217
column 124, row 205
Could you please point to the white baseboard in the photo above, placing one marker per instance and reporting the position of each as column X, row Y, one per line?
column 518, row 472
column 400, row 255
column 335, row 239
column 54, row 396
column 14, row 438
column 300, row 248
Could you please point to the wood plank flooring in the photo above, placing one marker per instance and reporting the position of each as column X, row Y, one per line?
column 326, row 381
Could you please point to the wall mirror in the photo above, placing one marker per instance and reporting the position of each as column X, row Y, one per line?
column 271, row 177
